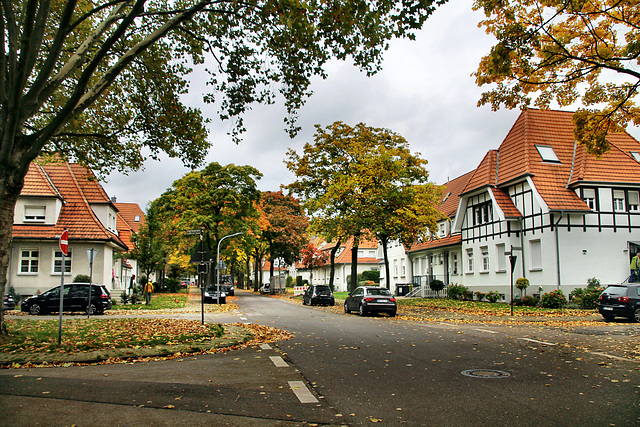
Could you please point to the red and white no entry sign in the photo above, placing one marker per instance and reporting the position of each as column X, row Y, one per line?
column 64, row 242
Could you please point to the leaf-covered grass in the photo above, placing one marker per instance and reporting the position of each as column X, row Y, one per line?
column 158, row 302
column 80, row 335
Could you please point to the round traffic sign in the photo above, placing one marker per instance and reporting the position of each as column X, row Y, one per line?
column 64, row 242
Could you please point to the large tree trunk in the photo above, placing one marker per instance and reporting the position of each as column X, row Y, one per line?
column 354, row 262
column 332, row 268
column 11, row 183
column 385, row 241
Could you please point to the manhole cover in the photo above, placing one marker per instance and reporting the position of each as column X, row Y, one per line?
column 485, row 373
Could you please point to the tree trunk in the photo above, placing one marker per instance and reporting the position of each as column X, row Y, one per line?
column 385, row 241
column 11, row 183
column 354, row 262
column 332, row 268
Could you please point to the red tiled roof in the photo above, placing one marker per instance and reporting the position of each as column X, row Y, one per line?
column 126, row 223
column 518, row 156
column 454, row 188
column 505, row 203
column 345, row 255
column 76, row 214
column 37, row 183
column 450, row 240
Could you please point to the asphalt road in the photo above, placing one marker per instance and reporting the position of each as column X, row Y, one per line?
column 344, row 369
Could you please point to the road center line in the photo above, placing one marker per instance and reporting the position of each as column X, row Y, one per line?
column 486, row 330
column 279, row 362
column 538, row 342
column 302, row 392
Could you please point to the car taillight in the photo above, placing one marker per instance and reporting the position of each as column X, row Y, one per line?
column 369, row 299
column 623, row 299
column 392, row 299
column 104, row 296
column 600, row 297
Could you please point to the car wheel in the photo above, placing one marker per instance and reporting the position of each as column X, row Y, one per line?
column 608, row 317
column 636, row 315
column 91, row 309
column 35, row 309
column 361, row 310
column 346, row 308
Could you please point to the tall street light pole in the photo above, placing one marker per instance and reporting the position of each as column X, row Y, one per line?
column 218, row 263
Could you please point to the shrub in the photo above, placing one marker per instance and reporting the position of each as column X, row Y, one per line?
column 553, row 299
column 436, row 285
column 586, row 298
column 468, row 295
column 289, row 281
column 527, row 301
column 370, row 275
column 171, row 285
column 522, row 284
column 298, row 281
column 124, row 298
column 493, row 296
column 592, row 282
column 456, row 291
column 480, row 295
column 82, row 278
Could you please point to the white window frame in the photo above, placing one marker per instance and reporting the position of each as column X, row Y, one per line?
column 35, row 213
column 501, row 258
column 547, row 154
column 403, row 268
column 633, row 200
column 454, row 263
column 32, row 261
column 57, row 263
column 535, row 255
column 470, row 260
column 484, row 256
column 618, row 200
column 395, row 268
column 589, row 197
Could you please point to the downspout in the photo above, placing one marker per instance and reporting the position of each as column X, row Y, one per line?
column 524, row 274
column 558, row 248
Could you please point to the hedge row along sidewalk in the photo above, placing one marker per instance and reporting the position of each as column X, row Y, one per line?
column 33, row 343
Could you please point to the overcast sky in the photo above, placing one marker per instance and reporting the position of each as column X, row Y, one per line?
column 425, row 93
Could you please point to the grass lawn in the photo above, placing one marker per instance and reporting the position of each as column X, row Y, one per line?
column 80, row 335
column 159, row 301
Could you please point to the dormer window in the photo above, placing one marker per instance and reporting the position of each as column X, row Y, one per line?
column 34, row 213
column 635, row 155
column 547, row 154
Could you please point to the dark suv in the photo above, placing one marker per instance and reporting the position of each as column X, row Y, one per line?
column 318, row 294
column 75, row 298
column 620, row 300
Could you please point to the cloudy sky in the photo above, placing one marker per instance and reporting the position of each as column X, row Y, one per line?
column 425, row 93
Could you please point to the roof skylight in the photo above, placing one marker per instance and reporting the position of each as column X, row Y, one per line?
column 636, row 156
column 547, row 153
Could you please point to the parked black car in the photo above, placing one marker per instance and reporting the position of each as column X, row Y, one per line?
column 227, row 288
column 367, row 299
column 75, row 298
column 8, row 303
column 620, row 300
column 318, row 295
column 211, row 295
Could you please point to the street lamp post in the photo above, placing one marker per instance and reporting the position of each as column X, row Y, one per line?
column 218, row 263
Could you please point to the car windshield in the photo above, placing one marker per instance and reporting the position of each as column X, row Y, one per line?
column 617, row 291
column 384, row 292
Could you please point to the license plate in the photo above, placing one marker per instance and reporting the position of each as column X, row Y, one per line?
column 608, row 308
column 383, row 300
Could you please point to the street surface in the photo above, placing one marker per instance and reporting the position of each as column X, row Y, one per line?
column 346, row 370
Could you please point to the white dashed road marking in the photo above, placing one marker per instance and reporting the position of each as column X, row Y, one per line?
column 302, row 392
column 487, row 331
column 265, row 347
column 279, row 362
column 537, row 342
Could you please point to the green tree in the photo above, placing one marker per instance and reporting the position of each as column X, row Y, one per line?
column 147, row 244
column 220, row 200
column 567, row 52
column 285, row 231
column 101, row 82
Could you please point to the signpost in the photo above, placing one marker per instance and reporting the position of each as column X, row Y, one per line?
column 64, row 248
column 91, row 254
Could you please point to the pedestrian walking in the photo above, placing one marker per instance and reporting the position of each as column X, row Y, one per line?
column 148, row 290
column 635, row 268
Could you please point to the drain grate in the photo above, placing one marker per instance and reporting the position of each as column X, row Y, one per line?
column 485, row 373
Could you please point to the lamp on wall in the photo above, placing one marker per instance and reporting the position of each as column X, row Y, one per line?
column 584, row 252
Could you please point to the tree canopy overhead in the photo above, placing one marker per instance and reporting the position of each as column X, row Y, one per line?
column 567, row 52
